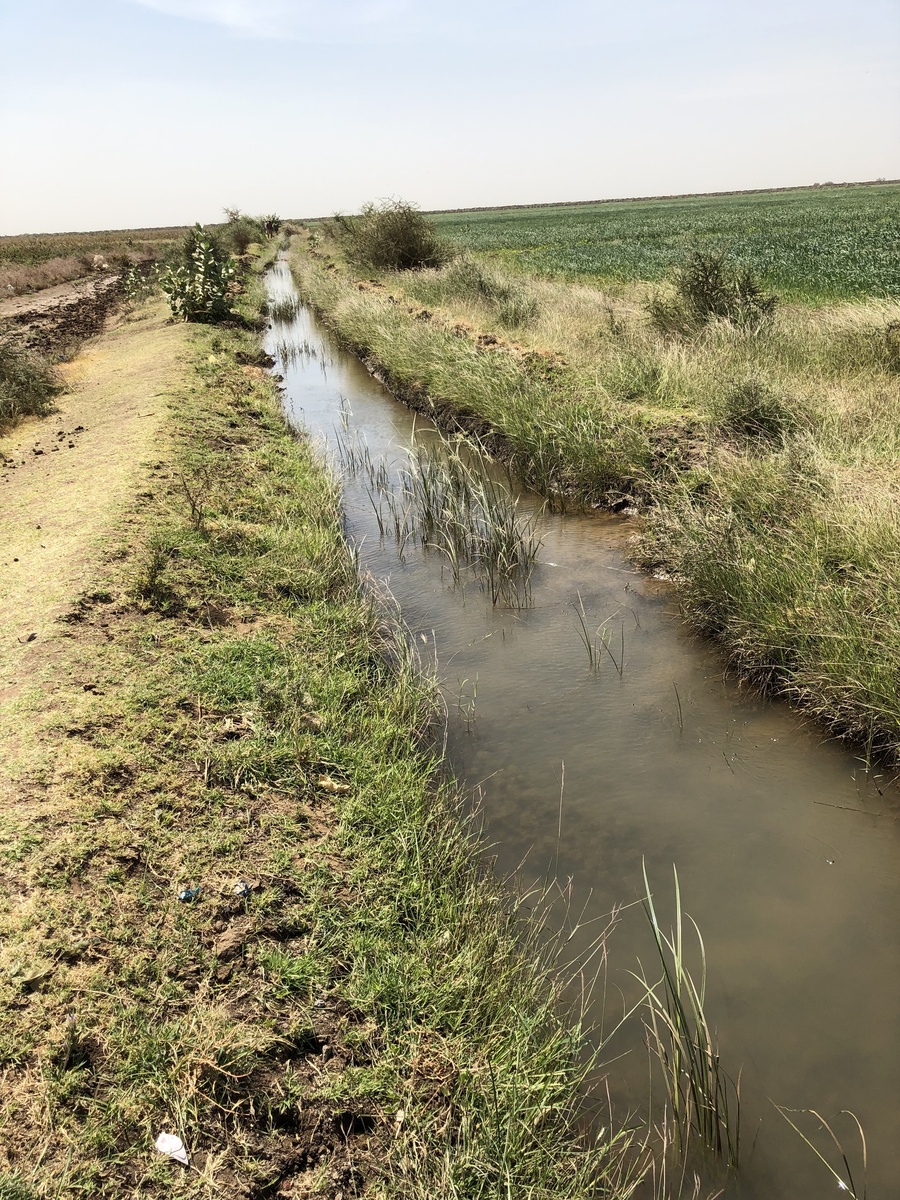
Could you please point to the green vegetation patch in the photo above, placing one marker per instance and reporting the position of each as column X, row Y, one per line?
column 28, row 383
column 823, row 244
column 241, row 907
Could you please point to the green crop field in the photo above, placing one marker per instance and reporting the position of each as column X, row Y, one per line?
column 828, row 243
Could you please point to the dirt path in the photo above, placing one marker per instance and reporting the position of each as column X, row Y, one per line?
column 65, row 480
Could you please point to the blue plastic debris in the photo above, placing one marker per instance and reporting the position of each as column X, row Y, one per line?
column 186, row 895
column 241, row 888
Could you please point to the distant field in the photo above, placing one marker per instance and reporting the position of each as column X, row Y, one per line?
column 29, row 262
column 31, row 249
column 832, row 243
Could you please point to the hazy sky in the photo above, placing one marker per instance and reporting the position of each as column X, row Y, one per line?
column 119, row 113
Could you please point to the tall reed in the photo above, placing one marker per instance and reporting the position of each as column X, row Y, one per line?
column 706, row 1102
column 846, row 1181
column 446, row 499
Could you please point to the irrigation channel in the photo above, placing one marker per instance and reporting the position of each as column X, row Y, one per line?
column 602, row 735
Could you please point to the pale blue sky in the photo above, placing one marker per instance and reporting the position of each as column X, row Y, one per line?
column 121, row 113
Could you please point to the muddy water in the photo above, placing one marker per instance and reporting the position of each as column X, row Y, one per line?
column 787, row 850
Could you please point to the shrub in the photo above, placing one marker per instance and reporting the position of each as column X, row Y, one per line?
column 708, row 287
column 241, row 231
column 139, row 282
column 890, row 346
column 752, row 408
column 467, row 278
column 28, row 383
column 391, row 236
column 199, row 285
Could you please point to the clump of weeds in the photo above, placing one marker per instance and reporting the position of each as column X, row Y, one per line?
column 710, row 287
column 28, row 382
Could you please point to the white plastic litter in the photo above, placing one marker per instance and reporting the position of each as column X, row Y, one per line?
column 168, row 1143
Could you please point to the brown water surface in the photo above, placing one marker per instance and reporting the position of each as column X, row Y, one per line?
column 787, row 849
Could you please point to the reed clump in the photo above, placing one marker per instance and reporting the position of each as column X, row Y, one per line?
column 705, row 1101
column 448, row 500
column 284, row 310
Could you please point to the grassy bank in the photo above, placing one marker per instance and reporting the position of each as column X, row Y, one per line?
column 764, row 459
column 243, row 907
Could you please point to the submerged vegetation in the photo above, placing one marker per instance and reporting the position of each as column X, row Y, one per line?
column 760, row 441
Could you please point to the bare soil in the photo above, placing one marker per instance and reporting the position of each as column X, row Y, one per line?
column 65, row 479
column 67, row 313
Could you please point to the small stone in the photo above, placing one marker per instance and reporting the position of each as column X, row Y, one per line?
column 230, row 942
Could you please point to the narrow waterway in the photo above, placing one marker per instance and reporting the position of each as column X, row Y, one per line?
column 787, row 849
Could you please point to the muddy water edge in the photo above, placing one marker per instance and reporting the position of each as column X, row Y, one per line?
column 787, row 848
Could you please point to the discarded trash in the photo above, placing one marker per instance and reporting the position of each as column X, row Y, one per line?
column 186, row 895
column 168, row 1143
column 326, row 784
column 241, row 888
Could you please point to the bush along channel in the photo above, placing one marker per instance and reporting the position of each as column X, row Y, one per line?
column 253, row 952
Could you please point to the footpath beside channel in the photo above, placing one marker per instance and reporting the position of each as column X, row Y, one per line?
column 240, row 906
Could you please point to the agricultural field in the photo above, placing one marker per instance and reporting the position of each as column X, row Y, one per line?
column 29, row 262
column 819, row 245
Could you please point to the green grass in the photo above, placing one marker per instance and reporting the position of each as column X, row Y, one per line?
column 825, row 244
column 372, row 1015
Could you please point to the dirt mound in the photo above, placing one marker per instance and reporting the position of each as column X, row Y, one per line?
column 70, row 312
